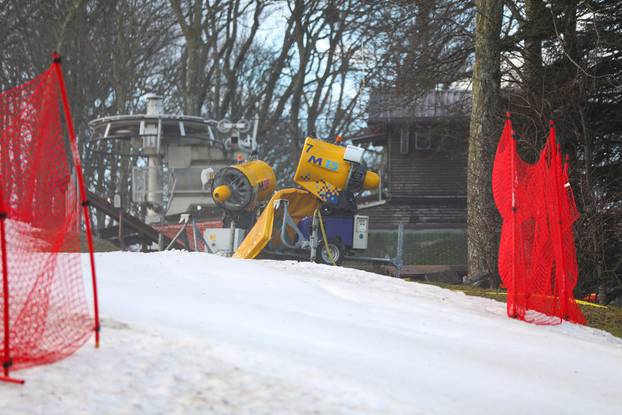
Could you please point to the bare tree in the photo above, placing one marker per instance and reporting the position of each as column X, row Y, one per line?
column 113, row 53
column 214, row 51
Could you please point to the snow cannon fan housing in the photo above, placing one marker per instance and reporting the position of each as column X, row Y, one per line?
column 326, row 170
column 243, row 186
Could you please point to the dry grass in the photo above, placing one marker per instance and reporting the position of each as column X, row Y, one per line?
column 604, row 318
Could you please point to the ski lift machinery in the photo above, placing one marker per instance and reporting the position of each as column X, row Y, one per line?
column 173, row 156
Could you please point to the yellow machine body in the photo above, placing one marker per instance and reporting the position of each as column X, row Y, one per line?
column 323, row 171
column 301, row 204
column 243, row 186
column 261, row 177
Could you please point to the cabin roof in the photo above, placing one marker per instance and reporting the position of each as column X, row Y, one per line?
column 389, row 106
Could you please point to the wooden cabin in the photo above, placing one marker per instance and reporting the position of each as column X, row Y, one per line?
column 424, row 152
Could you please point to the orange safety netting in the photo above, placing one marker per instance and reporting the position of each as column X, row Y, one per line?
column 43, row 311
column 537, row 258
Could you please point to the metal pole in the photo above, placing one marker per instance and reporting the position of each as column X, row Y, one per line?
column 313, row 240
column 400, row 248
column 513, row 309
column 179, row 232
column 194, row 234
column 5, row 294
column 7, row 362
column 232, row 241
column 161, row 242
column 198, row 232
column 121, row 241
column 560, row 264
column 85, row 202
column 255, row 128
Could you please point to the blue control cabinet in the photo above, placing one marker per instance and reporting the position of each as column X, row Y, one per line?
column 337, row 228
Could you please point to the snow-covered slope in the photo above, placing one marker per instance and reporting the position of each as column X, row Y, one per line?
column 190, row 333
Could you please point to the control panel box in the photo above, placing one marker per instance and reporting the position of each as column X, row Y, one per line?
column 220, row 240
column 360, row 236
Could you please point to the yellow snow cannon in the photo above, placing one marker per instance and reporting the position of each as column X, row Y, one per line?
column 330, row 175
column 326, row 170
column 240, row 191
column 242, row 187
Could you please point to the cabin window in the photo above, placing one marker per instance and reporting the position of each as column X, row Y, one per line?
column 423, row 139
column 404, row 140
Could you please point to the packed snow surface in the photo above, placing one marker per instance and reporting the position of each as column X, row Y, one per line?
column 192, row 333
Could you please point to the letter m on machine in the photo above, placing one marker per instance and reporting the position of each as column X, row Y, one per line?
column 320, row 162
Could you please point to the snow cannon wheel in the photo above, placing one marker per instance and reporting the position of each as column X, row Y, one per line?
column 337, row 251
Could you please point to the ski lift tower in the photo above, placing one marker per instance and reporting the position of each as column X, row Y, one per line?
column 175, row 156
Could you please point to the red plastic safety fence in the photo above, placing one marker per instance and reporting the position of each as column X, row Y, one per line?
column 537, row 258
column 44, row 310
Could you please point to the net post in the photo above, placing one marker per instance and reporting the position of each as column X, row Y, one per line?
column 513, row 310
column 7, row 362
column 56, row 63
column 560, row 266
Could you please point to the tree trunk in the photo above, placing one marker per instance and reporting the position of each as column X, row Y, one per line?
column 532, row 52
column 193, row 86
column 484, row 130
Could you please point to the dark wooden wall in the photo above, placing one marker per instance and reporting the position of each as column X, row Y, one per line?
column 427, row 188
column 416, row 214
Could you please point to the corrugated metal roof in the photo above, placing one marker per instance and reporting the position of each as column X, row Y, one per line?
column 387, row 106
column 369, row 138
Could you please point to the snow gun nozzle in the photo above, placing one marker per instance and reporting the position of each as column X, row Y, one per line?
column 222, row 193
